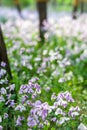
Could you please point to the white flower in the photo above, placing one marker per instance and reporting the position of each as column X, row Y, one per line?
column 55, row 104
column 74, row 108
column 63, row 120
column 73, row 114
column 20, row 107
column 82, row 127
column 59, row 111
column 61, row 80
column 0, row 119
column 47, row 89
column 62, row 102
column 12, row 87
column 2, row 99
column 2, row 72
column 53, row 97
column 3, row 91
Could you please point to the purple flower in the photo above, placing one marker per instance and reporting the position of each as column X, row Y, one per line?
column 3, row 91
column 68, row 97
column 20, row 108
column 24, row 98
column 34, row 79
column 44, row 114
column 5, row 115
column 53, row 97
column 64, row 96
column 1, row 128
column 19, row 120
column 74, row 111
column 2, row 72
column 33, row 111
column 12, row 103
column 60, row 102
column 73, row 114
column 32, row 121
column 60, row 111
column 3, row 64
column 60, row 96
column 41, row 109
column 28, row 102
column 31, row 88
column 53, row 119
column 34, row 96
column 37, row 103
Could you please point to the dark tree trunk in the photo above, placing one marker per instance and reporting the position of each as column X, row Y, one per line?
column 3, row 53
column 75, row 7
column 17, row 4
column 42, row 10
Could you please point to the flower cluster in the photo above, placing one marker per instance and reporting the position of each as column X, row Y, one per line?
column 39, row 114
column 28, row 103
column 30, row 111
column 3, row 79
column 6, row 94
column 30, row 88
column 62, row 108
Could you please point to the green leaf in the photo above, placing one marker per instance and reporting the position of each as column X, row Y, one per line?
column 52, row 128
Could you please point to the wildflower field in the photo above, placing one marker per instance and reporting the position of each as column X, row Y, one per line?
column 48, row 90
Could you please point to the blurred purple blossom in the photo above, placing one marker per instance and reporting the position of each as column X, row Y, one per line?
column 19, row 120
column 3, row 64
column 5, row 116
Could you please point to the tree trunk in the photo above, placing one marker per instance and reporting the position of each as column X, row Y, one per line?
column 17, row 4
column 42, row 10
column 3, row 53
column 75, row 7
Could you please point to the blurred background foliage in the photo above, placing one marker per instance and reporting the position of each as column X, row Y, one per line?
column 55, row 4
column 30, row 2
